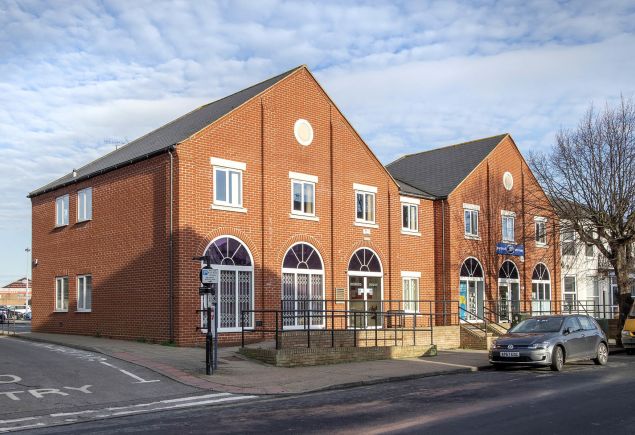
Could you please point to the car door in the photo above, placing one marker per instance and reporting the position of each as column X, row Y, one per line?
column 573, row 341
column 591, row 336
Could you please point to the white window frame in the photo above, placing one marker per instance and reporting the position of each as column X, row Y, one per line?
column 575, row 288
column 506, row 216
column 567, row 240
column 85, row 199
column 229, row 167
column 407, row 206
column 302, row 180
column 366, row 191
column 82, row 287
column 410, row 304
column 59, row 294
column 540, row 221
column 61, row 210
column 471, row 210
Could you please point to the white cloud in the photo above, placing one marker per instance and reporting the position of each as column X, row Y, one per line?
column 408, row 75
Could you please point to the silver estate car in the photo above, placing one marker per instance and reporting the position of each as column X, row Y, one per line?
column 551, row 341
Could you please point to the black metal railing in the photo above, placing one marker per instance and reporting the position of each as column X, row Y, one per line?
column 339, row 327
column 7, row 322
column 504, row 310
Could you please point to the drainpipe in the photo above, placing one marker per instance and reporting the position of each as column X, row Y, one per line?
column 170, row 250
column 445, row 296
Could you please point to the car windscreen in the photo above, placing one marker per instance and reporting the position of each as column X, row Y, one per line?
column 550, row 324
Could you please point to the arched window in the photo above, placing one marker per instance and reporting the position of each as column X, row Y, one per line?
column 302, row 287
column 541, row 290
column 508, row 270
column 236, row 277
column 541, row 273
column 471, row 268
column 471, row 290
column 364, row 260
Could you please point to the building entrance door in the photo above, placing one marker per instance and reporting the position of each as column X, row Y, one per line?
column 509, row 293
column 365, row 299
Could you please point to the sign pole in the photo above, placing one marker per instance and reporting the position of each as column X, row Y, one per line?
column 208, row 343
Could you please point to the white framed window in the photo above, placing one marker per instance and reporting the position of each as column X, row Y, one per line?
column 364, row 203
column 61, row 293
column 85, row 204
column 570, row 294
column 409, row 215
column 61, row 211
column 228, row 184
column 568, row 242
column 540, row 226
column 410, row 282
column 302, row 194
column 471, row 222
column 508, row 225
column 84, row 293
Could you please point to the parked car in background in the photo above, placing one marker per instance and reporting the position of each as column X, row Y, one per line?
column 4, row 314
column 628, row 332
column 551, row 341
column 27, row 316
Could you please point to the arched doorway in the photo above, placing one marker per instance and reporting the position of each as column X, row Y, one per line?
column 302, row 287
column 471, row 290
column 541, row 290
column 236, row 281
column 508, row 291
column 365, row 287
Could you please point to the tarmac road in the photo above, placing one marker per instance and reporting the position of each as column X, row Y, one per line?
column 583, row 399
column 43, row 384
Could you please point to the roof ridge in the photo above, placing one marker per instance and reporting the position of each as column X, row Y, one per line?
column 448, row 146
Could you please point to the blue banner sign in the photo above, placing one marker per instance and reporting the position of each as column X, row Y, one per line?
column 510, row 249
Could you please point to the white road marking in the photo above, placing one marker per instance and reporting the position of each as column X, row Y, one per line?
column 17, row 420
column 13, row 380
column 28, row 426
column 86, row 415
column 132, row 375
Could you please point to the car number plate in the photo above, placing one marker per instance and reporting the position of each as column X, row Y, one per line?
column 510, row 354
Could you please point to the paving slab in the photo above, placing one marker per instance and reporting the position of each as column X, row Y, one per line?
column 237, row 374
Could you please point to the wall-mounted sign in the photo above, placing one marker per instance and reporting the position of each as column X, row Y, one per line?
column 209, row 275
column 510, row 249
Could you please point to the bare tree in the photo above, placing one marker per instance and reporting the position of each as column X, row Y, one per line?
column 590, row 176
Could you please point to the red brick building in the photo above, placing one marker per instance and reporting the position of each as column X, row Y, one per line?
column 278, row 189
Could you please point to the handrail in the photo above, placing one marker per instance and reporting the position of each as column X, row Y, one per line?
column 469, row 313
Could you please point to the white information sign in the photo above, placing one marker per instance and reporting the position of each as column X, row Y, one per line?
column 209, row 276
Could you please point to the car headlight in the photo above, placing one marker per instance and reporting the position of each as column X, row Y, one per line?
column 494, row 344
column 543, row 345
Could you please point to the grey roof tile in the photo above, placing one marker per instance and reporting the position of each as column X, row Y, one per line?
column 164, row 137
column 439, row 171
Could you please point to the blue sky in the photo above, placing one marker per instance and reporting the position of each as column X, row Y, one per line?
column 78, row 77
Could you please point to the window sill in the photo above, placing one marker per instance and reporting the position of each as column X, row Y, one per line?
column 410, row 233
column 228, row 208
column 365, row 224
column 84, row 311
column 541, row 245
column 509, row 242
column 304, row 217
column 84, row 220
column 61, row 226
column 60, row 311
column 472, row 237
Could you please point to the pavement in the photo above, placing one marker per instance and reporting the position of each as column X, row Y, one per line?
column 239, row 375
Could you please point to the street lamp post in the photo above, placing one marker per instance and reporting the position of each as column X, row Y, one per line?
column 28, row 266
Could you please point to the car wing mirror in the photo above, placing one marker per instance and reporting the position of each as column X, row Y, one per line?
column 568, row 330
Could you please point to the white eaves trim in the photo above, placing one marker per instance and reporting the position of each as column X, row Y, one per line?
column 303, row 177
column 364, row 188
column 409, row 200
column 215, row 161
column 471, row 207
column 407, row 274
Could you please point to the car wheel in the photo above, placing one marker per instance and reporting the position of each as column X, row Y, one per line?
column 557, row 359
column 602, row 355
